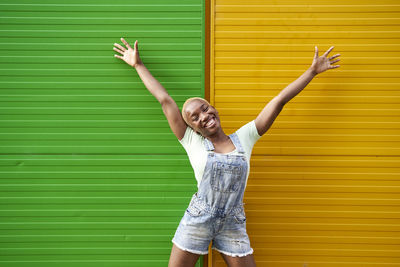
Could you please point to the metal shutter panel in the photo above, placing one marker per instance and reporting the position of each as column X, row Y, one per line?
column 91, row 173
column 324, row 183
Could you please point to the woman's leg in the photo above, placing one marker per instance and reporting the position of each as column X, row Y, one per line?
column 181, row 258
column 246, row 261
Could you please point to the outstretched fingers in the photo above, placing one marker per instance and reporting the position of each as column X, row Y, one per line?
column 126, row 43
column 327, row 51
column 332, row 57
column 120, row 47
column 335, row 61
column 316, row 52
column 119, row 51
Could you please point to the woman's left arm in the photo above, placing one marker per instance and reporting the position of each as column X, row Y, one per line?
column 268, row 115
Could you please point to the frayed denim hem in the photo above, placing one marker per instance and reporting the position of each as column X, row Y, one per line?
column 190, row 250
column 235, row 254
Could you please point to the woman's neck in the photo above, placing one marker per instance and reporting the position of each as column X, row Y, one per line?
column 222, row 143
column 218, row 138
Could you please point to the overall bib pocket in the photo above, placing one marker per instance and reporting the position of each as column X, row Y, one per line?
column 225, row 177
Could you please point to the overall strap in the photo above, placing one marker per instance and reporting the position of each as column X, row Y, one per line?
column 236, row 142
column 208, row 144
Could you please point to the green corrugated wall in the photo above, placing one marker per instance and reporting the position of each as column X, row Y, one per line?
column 91, row 174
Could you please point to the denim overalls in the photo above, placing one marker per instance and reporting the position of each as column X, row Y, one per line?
column 216, row 210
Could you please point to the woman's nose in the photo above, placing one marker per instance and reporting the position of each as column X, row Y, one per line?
column 204, row 117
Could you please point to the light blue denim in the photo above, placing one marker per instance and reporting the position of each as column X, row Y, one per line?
column 215, row 212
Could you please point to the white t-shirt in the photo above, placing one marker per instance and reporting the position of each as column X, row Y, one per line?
column 194, row 146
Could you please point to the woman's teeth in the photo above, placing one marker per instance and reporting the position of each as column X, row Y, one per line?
column 210, row 123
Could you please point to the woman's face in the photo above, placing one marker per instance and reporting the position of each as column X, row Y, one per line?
column 202, row 117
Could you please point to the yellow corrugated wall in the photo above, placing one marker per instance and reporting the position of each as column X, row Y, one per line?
column 325, row 179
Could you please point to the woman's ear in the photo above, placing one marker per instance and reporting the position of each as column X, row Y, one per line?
column 194, row 130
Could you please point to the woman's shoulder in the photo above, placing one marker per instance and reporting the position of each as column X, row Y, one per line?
column 246, row 127
column 248, row 133
column 191, row 138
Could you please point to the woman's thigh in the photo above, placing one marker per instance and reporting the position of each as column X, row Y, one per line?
column 181, row 258
column 246, row 261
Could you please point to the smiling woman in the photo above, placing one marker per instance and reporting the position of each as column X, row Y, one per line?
column 202, row 118
column 221, row 165
column 187, row 102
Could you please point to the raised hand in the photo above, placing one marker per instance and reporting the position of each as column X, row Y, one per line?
column 322, row 63
column 129, row 55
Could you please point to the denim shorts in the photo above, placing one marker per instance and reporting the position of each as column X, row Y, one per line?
column 202, row 224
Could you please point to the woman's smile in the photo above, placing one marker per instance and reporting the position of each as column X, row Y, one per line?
column 211, row 123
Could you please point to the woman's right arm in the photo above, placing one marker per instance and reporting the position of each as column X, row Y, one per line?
column 169, row 107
